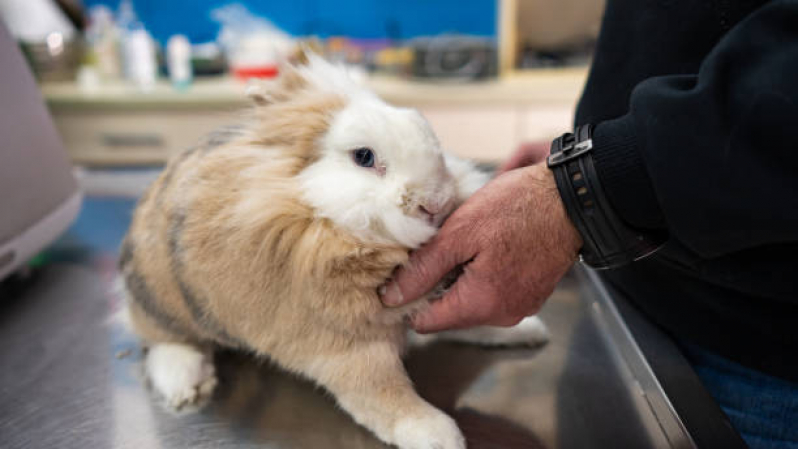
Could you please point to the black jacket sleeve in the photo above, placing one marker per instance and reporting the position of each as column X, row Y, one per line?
column 713, row 156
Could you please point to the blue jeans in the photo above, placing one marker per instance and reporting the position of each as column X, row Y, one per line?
column 763, row 409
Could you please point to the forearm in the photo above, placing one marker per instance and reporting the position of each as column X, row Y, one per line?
column 709, row 157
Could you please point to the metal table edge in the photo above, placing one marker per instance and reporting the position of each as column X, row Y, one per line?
column 686, row 413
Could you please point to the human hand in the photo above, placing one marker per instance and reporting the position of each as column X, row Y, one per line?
column 516, row 242
column 528, row 153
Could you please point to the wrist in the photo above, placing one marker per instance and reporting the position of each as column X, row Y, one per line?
column 552, row 205
column 607, row 241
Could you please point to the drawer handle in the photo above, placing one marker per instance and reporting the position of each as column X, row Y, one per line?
column 133, row 140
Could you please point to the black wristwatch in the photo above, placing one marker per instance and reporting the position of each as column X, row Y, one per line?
column 608, row 241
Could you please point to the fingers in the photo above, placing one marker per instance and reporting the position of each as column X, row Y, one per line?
column 529, row 153
column 515, row 161
column 425, row 269
column 456, row 310
column 474, row 300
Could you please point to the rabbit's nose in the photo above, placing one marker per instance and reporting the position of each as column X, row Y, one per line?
column 427, row 214
column 434, row 212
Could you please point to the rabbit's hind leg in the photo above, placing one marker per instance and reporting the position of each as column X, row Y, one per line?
column 182, row 375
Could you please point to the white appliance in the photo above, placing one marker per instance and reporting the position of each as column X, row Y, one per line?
column 39, row 196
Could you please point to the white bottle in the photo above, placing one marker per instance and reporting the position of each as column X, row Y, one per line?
column 126, row 22
column 140, row 59
column 103, row 39
column 178, row 59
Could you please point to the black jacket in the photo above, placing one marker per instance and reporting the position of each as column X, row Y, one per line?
column 695, row 104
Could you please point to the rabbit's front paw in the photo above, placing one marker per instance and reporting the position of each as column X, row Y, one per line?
column 182, row 375
column 431, row 431
column 530, row 331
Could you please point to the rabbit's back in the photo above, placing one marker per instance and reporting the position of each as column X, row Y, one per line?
column 160, row 299
column 222, row 250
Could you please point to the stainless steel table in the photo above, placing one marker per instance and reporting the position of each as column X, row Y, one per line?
column 71, row 376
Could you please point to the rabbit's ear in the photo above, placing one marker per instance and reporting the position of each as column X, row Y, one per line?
column 289, row 81
column 304, row 52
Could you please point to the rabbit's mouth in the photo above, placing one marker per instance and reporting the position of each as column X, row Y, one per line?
column 431, row 218
column 434, row 218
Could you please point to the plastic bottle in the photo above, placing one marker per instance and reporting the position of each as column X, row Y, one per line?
column 126, row 22
column 138, row 48
column 103, row 39
column 140, row 59
column 178, row 59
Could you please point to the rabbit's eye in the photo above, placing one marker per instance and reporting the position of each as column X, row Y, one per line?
column 363, row 157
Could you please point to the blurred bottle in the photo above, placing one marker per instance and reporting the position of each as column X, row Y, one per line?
column 178, row 59
column 126, row 22
column 138, row 48
column 253, row 44
column 102, row 37
column 141, row 60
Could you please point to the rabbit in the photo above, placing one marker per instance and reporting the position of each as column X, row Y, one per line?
column 274, row 238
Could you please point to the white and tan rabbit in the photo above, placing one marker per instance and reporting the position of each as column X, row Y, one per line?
column 275, row 237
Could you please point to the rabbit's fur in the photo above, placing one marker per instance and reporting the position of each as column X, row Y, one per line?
column 271, row 239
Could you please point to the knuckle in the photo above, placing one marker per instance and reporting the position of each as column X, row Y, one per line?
column 418, row 276
column 417, row 271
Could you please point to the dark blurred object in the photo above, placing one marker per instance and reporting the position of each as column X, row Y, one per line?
column 533, row 58
column 49, row 32
column 454, row 57
column 208, row 59
column 39, row 197
column 56, row 59
column 74, row 11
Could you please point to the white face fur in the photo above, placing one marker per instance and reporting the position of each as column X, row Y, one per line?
column 403, row 197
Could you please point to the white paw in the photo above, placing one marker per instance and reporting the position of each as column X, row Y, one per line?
column 432, row 431
column 182, row 375
column 531, row 331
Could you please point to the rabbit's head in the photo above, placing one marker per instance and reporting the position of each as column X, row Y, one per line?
column 374, row 170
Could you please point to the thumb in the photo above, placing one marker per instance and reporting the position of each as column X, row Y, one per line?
column 424, row 270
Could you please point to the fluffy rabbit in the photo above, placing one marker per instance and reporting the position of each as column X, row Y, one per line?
column 275, row 237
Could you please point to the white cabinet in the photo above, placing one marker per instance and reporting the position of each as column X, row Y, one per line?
column 134, row 136
column 477, row 132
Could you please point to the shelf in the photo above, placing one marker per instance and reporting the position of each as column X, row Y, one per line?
column 546, row 86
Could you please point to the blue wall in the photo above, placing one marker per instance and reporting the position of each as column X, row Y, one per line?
column 354, row 18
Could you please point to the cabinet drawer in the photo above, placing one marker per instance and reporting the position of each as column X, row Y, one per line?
column 134, row 137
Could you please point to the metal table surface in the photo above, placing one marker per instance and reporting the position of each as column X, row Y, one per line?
column 71, row 376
